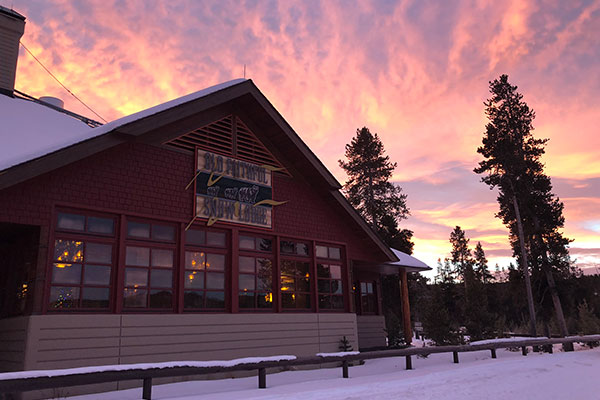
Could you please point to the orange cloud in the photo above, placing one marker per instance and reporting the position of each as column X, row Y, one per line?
column 414, row 72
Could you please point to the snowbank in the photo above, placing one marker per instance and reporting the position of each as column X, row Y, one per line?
column 125, row 367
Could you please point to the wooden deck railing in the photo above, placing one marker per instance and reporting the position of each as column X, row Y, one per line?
column 67, row 379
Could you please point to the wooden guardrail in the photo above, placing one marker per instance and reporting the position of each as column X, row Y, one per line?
column 75, row 378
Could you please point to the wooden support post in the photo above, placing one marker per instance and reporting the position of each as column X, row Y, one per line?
column 493, row 353
column 524, row 350
column 550, row 348
column 262, row 378
column 406, row 325
column 455, row 356
column 344, row 369
column 409, row 362
column 147, row 389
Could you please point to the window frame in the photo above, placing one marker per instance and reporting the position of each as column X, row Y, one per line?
column 329, row 261
column 84, row 236
column 205, row 248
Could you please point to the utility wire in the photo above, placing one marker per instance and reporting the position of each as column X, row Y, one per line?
column 56, row 79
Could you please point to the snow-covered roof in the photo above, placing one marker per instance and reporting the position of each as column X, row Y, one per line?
column 409, row 262
column 30, row 130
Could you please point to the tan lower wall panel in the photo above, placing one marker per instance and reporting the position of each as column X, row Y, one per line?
column 199, row 347
column 87, row 362
column 216, row 337
column 371, row 331
column 227, row 354
column 325, row 318
column 74, row 333
column 194, row 329
column 77, row 354
column 13, row 334
column 183, row 320
column 80, row 343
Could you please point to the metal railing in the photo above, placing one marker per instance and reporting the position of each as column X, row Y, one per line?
column 66, row 379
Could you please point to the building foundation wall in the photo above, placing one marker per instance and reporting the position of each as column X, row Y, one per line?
column 68, row 341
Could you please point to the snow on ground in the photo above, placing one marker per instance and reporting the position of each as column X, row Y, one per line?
column 508, row 340
column 573, row 376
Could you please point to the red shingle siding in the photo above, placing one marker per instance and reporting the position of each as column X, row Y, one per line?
column 143, row 179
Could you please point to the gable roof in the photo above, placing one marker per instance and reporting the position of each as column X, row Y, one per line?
column 159, row 124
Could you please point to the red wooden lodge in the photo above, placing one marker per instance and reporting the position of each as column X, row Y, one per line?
column 202, row 228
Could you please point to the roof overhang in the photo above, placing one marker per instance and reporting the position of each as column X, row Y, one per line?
column 405, row 262
column 167, row 121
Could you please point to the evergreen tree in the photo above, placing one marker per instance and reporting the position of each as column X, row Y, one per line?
column 394, row 237
column 506, row 141
column 381, row 203
column 368, row 187
column 481, row 269
column 462, row 258
column 527, row 204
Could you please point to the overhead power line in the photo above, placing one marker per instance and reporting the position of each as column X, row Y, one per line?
column 61, row 84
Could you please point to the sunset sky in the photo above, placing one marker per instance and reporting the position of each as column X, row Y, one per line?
column 415, row 72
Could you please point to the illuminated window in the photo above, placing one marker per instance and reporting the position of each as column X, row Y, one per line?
column 81, row 272
column 204, row 281
column 205, row 269
column 255, row 283
column 295, row 284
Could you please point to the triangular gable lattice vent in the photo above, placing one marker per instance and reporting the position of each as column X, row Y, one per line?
column 227, row 136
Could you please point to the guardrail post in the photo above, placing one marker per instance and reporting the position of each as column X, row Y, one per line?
column 409, row 362
column 262, row 378
column 524, row 350
column 345, row 368
column 455, row 356
column 493, row 353
column 568, row 346
column 147, row 389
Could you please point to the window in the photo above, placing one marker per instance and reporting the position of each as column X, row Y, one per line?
column 197, row 237
column 148, row 277
column 333, row 253
column 329, row 277
column 145, row 230
column 288, row 247
column 86, row 224
column 368, row 298
column 295, row 284
column 81, row 272
column 205, row 270
column 329, row 283
column 255, row 283
column 251, row 243
column 204, row 280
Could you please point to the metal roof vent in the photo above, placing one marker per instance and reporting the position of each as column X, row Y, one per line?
column 55, row 101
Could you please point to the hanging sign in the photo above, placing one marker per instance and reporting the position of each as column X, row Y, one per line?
column 232, row 190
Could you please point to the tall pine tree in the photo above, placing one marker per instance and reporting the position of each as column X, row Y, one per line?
column 381, row 203
column 527, row 205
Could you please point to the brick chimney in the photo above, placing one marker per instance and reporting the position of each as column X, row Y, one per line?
column 12, row 26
